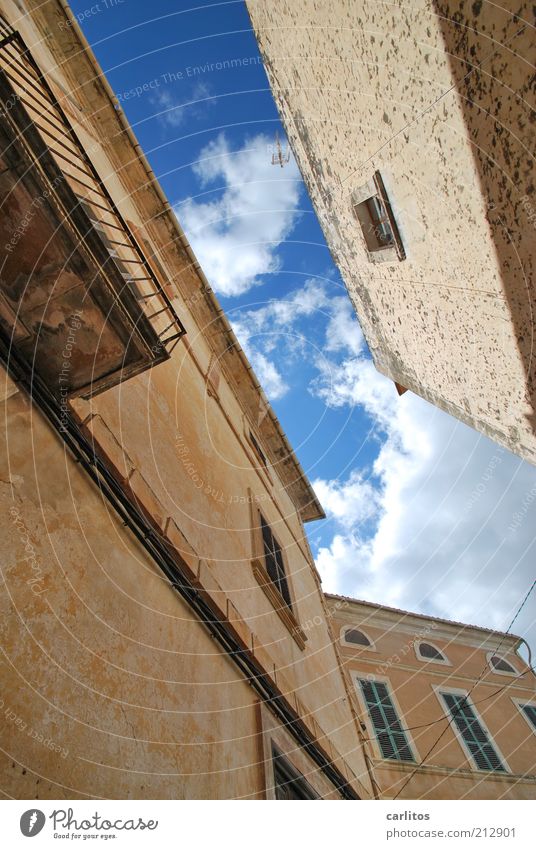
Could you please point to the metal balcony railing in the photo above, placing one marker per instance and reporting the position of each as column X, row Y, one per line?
column 93, row 210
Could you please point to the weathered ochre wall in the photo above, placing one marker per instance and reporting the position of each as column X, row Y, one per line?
column 111, row 687
column 446, row 772
column 437, row 97
column 100, row 656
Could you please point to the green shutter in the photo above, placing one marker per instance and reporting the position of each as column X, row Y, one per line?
column 473, row 734
column 389, row 732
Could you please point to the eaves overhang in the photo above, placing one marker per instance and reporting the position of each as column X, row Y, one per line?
column 72, row 53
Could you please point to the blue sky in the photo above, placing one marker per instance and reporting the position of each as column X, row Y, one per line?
column 422, row 512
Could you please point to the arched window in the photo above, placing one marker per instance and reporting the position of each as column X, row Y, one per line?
column 427, row 651
column 355, row 637
column 499, row 664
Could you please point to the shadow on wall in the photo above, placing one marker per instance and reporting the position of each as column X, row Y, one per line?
column 489, row 49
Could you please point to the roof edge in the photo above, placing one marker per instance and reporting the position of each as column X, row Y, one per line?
column 448, row 622
column 298, row 485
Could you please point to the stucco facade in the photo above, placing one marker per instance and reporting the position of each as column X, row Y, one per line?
column 147, row 649
column 418, row 659
column 435, row 100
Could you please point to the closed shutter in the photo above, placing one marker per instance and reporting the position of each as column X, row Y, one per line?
column 474, row 735
column 389, row 732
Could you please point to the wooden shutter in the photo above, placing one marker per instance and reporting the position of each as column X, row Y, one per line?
column 473, row 733
column 391, row 737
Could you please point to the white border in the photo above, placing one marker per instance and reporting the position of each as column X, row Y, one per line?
column 382, row 679
column 438, row 689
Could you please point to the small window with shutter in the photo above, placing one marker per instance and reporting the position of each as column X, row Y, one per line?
column 258, row 450
column 391, row 736
column 373, row 210
column 473, row 733
column 273, row 558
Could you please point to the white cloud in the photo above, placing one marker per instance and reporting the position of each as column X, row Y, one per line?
column 444, row 541
column 264, row 330
column 236, row 235
column 350, row 503
column 343, row 332
column 169, row 112
column 172, row 113
column 430, row 525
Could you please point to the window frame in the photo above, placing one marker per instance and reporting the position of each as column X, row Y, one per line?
column 417, row 647
column 272, row 548
column 456, row 691
column 490, row 654
column 344, row 641
column 287, row 613
column 281, row 763
column 255, row 442
column 253, row 445
column 375, row 192
column 520, row 704
column 373, row 737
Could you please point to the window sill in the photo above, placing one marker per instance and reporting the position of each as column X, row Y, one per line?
column 279, row 604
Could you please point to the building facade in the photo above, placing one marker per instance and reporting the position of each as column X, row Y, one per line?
column 157, row 581
column 449, row 710
column 413, row 128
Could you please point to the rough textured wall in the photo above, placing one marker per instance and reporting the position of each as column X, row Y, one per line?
column 446, row 772
column 110, row 687
column 438, row 97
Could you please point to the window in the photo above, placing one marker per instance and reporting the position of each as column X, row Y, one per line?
column 213, row 377
column 501, row 665
column 288, row 782
column 373, row 210
column 379, row 223
column 269, row 570
column 273, row 559
column 472, row 732
column 356, row 638
column 389, row 732
column 426, row 651
column 529, row 712
column 65, row 259
column 258, row 450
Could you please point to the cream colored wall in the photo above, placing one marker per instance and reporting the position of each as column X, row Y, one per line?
column 363, row 87
column 107, row 660
column 447, row 771
column 101, row 656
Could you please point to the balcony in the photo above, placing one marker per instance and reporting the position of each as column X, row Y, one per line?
column 79, row 298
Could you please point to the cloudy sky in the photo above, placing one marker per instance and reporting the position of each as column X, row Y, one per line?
column 422, row 512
